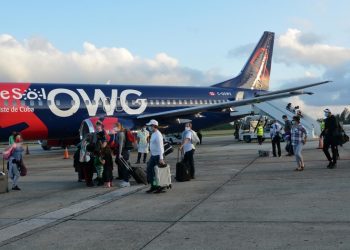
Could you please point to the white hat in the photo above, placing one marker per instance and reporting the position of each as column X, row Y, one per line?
column 152, row 122
column 327, row 111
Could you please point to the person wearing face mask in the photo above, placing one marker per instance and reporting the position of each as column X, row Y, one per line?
column 189, row 139
column 157, row 155
column 15, row 161
column 330, row 138
column 298, row 139
column 142, row 144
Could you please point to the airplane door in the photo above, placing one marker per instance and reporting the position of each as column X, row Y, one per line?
column 239, row 95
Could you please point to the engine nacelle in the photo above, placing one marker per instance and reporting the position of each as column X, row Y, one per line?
column 89, row 125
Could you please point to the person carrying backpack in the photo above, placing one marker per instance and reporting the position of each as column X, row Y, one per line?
column 189, row 140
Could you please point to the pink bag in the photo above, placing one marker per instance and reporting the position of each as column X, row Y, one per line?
column 8, row 152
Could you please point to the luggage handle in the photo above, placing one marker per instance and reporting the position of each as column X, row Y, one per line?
column 126, row 164
column 178, row 154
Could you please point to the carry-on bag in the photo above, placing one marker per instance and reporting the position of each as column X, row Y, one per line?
column 182, row 170
column 137, row 173
column 163, row 175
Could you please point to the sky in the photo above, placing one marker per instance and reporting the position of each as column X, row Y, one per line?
column 177, row 42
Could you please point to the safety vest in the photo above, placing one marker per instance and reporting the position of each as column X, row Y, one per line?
column 260, row 131
column 322, row 125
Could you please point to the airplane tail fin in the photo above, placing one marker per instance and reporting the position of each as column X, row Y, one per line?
column 256, row 72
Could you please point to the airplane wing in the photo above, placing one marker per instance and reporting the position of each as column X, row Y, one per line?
column 228, row 104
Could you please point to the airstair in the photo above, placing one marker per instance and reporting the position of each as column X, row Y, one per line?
column 277, row 108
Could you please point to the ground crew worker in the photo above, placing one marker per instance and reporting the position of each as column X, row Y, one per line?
column 260, row 133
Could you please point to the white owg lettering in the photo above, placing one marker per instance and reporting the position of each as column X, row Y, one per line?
column 59, row 112
column 92, row 107
column 126, row 108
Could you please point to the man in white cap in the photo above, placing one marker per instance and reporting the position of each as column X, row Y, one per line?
column 157, row 152
column 330, row 138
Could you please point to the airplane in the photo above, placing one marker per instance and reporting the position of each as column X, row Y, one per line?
column 61, row 113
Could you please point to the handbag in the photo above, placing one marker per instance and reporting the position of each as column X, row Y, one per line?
column 22, row 169
column 344, row 138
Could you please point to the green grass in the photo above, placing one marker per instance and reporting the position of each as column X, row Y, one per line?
column 217, row 132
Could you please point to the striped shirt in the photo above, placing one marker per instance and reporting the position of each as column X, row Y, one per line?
column 298, row 133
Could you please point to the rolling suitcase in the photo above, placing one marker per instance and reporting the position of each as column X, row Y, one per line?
column 163, row 175
column 136, row 172
column 182, row 170
column 3, row 179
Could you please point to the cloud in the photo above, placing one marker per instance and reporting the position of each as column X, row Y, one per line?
column 295, row 47
column 308, row 50
column 37, row 60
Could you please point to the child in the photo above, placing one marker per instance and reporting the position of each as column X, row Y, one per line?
column 98, row 163
column 107, row 166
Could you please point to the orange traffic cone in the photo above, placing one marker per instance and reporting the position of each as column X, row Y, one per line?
column 66, row 154
column 320, row 143
column 27, row 150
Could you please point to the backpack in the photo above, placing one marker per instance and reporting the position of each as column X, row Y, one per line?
column 194, row 138
column 129, row 140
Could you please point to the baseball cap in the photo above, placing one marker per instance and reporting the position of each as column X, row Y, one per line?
column 152, row 122
column 327, row 111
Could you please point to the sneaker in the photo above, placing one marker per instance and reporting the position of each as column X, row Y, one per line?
column 159, row 190
column 329, row 165
column 124, row 184
column 334, row 165
column 151, row 190
column 16, row 188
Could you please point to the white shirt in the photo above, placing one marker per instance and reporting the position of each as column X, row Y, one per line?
column 156, row 144
column 275, row 129
column 188, row 145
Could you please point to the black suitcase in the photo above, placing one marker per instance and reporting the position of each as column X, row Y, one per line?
column 182, row 170
column 137, row 173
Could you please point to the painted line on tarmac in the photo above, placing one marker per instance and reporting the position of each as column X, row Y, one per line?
column 39, row 221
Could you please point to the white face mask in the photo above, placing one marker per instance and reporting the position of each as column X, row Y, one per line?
column 187, row 128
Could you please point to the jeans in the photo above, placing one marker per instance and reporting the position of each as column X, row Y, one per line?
column 276, row 141
column 297, row 152
column 334, row 148
column 188, row 158
column 153, row 161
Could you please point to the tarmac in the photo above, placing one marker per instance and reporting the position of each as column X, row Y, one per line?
column 237, row 201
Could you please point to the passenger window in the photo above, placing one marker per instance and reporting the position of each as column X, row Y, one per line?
column 157, row 102
column 191, row 102
column 6, row 103
column 93, row 102
column 185, row 102
column 163, row 102
column 40, row 102
column 205, row 101
column 196, row 102
column 58, row 102
column 87, row 102
column 72, row 102
column 49, row 102
column 14, row 103
column 200, row 102
column 180, row 102
column 31, row 103
column 23, row 103
column 151, row 102
column 168, row 102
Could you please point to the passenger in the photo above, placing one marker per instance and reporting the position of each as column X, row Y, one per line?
column 157, row 157
column 200, row 136
column 142, row 144
column 86, row 160
column 330, row 139
column 275, row 133
column 289, row 107
column 12, row 138
column 77, row 164
column 287, row 135
column 189, row 139
column 122, row 152
column 15, row 161
column 107, row 166
column 260, row 133
column 98, row 163
column 298, row 139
